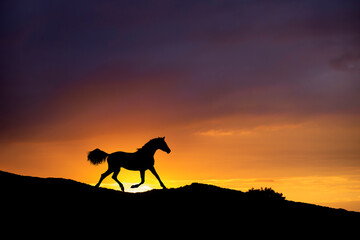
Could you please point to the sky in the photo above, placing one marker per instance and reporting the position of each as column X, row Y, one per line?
column 248, row 93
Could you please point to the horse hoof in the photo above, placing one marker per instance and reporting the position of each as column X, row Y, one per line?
column 135, row 186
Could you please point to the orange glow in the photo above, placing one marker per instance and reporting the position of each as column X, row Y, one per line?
column 303, row 161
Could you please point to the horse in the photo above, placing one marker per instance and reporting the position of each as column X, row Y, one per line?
column 141, row 160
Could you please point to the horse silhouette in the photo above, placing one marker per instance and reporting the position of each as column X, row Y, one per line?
column 141, row 160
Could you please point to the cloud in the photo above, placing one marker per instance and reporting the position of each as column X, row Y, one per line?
column 251, row 130
column 347, row 62
column 216, row 132
column 173, row 63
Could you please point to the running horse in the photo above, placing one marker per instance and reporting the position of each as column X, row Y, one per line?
column 141, row 160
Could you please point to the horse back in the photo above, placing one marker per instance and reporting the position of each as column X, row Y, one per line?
column 130, row 161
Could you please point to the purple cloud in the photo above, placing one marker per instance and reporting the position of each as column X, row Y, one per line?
column 68, row 62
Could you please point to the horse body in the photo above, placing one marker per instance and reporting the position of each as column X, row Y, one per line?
column 141, row 160
column 130, row 161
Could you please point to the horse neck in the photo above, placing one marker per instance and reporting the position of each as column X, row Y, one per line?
column 148, row 151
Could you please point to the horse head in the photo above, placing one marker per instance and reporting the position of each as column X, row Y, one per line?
column 163, row 146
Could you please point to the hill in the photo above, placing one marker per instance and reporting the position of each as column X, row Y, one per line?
column 52, row 199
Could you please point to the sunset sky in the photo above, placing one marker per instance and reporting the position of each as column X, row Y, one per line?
column 248, row 93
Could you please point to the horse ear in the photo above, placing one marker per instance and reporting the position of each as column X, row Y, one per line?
column 164, row 138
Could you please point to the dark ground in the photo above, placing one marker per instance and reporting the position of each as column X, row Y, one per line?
column 31, row 204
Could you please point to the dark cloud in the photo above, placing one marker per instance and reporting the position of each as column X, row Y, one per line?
column 349, row 61
column 107, row 62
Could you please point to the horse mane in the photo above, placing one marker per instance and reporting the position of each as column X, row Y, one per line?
column 149, row 145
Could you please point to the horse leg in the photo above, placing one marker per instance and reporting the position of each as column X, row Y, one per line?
column 152, row 169
column 114, row 176
column 103, row 176
column 142, row 175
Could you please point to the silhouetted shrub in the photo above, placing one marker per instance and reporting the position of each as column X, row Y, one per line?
column 265, row 193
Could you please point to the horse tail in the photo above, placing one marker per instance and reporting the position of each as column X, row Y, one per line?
column 97, row 156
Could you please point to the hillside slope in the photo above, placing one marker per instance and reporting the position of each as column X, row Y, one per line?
column 55, row 198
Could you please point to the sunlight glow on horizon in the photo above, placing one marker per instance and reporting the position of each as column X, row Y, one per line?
column 266, row 156
column 143, row 188
column 328, row 191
